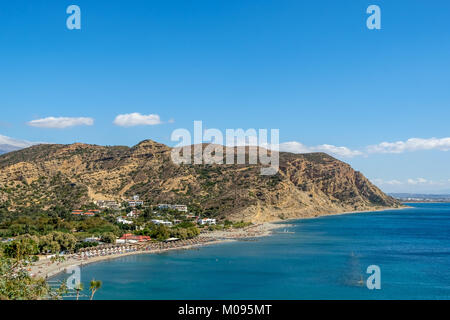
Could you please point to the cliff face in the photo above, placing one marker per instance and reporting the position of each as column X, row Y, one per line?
column 306, row 185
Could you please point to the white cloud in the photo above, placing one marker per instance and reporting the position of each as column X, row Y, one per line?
column 411, row 182
column 14, row 142
column 419, row 181
column 413, row 144
column 378, row 181
column 61, row 122
column 414, row 185
column 393, row 182
column 297, row 147
column 389, row 182
column 137, row 119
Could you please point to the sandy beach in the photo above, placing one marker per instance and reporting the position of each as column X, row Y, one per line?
column 45, row 268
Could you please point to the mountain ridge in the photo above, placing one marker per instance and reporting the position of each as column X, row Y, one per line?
column 68, row 176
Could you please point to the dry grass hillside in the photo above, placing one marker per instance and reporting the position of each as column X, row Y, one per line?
column 72, row 175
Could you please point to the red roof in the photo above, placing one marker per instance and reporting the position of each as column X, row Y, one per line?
column 88, row 213
column 129, row 236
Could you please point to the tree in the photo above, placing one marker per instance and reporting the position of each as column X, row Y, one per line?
column 108, row 237
column 66, row 241
column 57, row 258
column 56, row 242
column 47, row 245
column 21, row 248
column 79, row 287
column 94, row 286
column 15, row 281
column 160, row 232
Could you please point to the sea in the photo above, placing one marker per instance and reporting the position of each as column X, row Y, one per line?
column 392, row 254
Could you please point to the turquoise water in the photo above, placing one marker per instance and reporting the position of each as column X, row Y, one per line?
column 325, row 258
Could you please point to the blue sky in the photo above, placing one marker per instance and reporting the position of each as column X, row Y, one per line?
column 309, row 68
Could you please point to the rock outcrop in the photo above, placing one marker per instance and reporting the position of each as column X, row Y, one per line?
column 67, row 176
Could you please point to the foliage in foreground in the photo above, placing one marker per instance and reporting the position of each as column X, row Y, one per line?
column 15, row 281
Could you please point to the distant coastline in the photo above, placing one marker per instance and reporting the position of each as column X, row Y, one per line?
column 421, row 198
column 412, row 202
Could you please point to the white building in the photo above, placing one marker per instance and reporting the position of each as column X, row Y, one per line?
column 108, row 204
column 180, row 207
column 126, row 241
column 135, row 203
column 207, row 221
column 124, row 221
column 132, row 214
column 166, row 223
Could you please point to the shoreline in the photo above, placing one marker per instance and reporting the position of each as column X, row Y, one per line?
column 63, row 266
column 344, row 213
column 46, row 270
column 412, row 202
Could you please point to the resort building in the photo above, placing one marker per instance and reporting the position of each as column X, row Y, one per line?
column 133, row 214
column 91, row 239
column 166, row 223
column 87, row 213
column 108, row 204
column 207, row 221
column 124, row 221
column 135, row 202
column 180, row 207
column 131, row 238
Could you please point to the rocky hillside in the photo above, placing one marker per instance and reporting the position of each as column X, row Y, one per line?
column 46, row 176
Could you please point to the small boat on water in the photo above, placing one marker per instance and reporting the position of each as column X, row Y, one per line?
column 361, row 281
column 285, row 231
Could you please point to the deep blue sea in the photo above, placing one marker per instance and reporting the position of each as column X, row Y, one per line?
column 324, row 258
